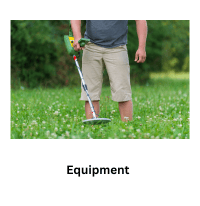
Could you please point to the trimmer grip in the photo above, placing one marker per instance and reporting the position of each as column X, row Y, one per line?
column 83, row 42
column 69, row 41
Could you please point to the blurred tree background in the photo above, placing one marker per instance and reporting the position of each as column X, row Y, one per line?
column 39, row 57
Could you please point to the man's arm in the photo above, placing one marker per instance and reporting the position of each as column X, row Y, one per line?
column 76, row 29
column 141, row 26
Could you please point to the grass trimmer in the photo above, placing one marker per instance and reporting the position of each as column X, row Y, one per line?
column 69, row 40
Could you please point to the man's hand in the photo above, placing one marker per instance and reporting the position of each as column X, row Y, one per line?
column 140, row 56
column 76, row 29
column 76, row 45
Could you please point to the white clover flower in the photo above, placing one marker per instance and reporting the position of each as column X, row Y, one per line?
column 123, row 130
column 82, row 126
column 18, row 112
column 67, row 133
column 36, row 133
column 24, row 124
column 112, row 111
column 56, row 112
column 34, row 122
column 54, row 135
column 138, row 130
column 138, row 117
column 50, row 108
column 126, row 118
column 179, row 125
column 43, row 122
column 48, row 133
column 56, row 129
column 124, row 136
column 66, row 115
column 179, row 134
column 175, row 119
column 161, row 113
column 68, row 125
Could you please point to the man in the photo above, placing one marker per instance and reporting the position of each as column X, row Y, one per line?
column 108, row 39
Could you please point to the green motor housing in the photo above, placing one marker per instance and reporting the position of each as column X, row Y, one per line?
column 69, row 40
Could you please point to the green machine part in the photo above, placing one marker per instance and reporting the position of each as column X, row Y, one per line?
column 69, row 44
column 69, row 40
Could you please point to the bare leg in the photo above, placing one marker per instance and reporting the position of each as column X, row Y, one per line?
column 88, row 110
column 126, row 110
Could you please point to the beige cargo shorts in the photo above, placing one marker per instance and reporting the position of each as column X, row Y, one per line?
column 118, row 69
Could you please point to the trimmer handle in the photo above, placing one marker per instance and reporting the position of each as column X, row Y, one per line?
column 69, row 41
column 83, row 42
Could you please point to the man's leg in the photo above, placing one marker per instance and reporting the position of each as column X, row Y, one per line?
column 88, row 111
column 126, row 110
column 117, row 64
column 92, row 68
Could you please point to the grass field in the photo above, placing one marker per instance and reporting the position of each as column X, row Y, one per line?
column 161, row 110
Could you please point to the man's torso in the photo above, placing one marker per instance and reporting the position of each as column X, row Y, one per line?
column 107, row 33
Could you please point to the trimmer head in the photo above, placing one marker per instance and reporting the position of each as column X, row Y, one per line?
column 96, row 121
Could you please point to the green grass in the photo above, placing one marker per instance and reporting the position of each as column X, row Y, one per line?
column 171, row 75
column 161, row 110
